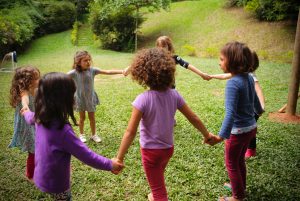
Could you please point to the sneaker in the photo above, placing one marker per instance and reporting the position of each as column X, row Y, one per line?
column 250, row 153
column 227, row 186
column 96, row 138
column 82, row 138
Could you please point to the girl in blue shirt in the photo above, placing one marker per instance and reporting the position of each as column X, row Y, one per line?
column 239, row 125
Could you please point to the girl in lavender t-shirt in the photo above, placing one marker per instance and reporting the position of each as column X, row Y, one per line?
column 155, row 110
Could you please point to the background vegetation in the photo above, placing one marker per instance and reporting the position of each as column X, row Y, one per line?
column 196, row 171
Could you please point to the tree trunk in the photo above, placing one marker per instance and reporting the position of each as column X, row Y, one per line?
column 136, row 28
column 295, row 77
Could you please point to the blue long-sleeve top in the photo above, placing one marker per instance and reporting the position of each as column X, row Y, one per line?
column 240, row 103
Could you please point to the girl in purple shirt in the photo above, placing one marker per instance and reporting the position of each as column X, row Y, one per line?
column 55, row 140
column 155, row 110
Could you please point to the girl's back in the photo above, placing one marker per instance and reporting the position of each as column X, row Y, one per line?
column 158, row 108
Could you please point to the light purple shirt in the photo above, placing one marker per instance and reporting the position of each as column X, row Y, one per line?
column 157, row 123
column 53, row 150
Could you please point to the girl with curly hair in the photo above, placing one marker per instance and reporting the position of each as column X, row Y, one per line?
column 155, row 110
column 24, row 83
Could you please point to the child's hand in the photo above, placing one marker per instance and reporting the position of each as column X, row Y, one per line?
column 214, row 140
column 24, row 109
column 117, row 166
column 205, row 76
column 126, row 71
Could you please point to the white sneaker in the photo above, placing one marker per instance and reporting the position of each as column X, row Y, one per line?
column 96, row 138
column 82, row 138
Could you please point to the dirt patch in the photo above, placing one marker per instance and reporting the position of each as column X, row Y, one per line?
column 284, row 118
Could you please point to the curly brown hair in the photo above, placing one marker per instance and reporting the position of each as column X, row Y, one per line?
column 154, row 68
column 22, row 81
column 166, row 43
column 79, row 55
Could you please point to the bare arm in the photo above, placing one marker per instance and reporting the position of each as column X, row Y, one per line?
column 260, row 95
column 111, row 72
column 194, row 120
column 25, row 101
column 198, row 72
column 223, row 76
column 130, row 133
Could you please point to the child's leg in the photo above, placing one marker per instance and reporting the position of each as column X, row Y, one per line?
column 154, row 163
column 252, row 144
column 30, row 166
column 235, row 149
column 81, row 121
column 92, row 122
column 64, row 196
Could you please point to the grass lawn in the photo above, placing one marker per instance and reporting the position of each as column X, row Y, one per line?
column 196, row 172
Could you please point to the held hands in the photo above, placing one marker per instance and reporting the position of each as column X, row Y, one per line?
column 126, row 71
column 117, row 166
column 24, row 109
column 213, row 139
column 206, row 77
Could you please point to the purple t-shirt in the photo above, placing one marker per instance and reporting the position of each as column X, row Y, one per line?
column 157, row 123
column 53, row 150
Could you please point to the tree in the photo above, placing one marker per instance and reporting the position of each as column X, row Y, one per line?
column 295, row 77
column 111, row 6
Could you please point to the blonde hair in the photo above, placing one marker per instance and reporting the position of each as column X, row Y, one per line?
column 166, row 43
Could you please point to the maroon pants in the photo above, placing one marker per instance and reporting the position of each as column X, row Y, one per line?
column 30, row 166
column 235, row 149
column 154, row 163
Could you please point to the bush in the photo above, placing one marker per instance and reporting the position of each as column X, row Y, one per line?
column 116, row 30
column 16, row 29
column 74, row 33
column 59, row 16
column 269, row 10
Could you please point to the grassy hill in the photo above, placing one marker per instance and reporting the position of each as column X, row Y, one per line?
column 207, row 26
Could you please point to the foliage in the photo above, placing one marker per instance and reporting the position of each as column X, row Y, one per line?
column 189, row 50
column 16, row 28
column 74, row 33
column 22, row 20
column 116, row 30
column 269, row 10
column 59, row 16
column 120, row 35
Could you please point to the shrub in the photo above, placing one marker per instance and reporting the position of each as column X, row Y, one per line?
column 16, row 29
column 116, row 30
column 269, row 10
column 74, row 33
column 59, row 16
column 189, row 50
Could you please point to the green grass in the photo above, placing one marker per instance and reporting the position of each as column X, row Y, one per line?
column 196, row 172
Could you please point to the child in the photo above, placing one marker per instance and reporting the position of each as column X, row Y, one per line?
column 24, row 82
column 251, row 150
column 86, row 97
column 155, row 109
column 55, row 138
column 239, row 125
column 166, row 43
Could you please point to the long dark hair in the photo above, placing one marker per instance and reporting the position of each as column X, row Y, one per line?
column 55, row 99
